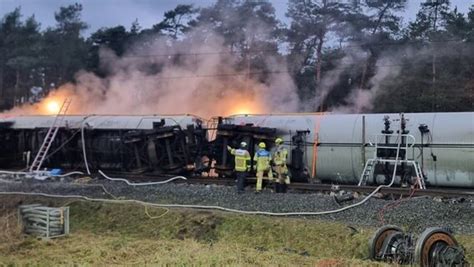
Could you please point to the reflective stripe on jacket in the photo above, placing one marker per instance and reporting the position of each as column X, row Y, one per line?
column 242, row 159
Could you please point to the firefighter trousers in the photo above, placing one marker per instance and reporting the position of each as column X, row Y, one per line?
column 282, row 178
column 241, row 181
column 260, row 176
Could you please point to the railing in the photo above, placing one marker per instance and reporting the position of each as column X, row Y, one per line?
column 381, row 144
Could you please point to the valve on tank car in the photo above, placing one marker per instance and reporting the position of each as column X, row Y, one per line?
column 391, row 158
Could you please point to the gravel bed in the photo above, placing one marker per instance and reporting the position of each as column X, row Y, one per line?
column 414, row 214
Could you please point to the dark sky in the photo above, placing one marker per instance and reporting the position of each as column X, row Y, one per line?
column 106, row 13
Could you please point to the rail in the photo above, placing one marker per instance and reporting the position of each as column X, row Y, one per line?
column 313, row 187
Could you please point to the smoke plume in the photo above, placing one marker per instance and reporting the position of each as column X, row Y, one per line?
column 166, row 76
column 332, row 77
column 362, row 99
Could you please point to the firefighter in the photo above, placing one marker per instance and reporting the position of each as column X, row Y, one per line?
column 262, row 159
column 280, row 155
column 242, row 165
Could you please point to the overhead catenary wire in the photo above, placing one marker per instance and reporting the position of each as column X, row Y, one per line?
column 250, row 51
column 255, row 73
column 247, row 73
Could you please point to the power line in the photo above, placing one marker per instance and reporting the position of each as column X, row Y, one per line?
column 255, row 73
column 252, row 51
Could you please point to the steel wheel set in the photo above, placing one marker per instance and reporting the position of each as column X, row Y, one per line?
column 435, row 246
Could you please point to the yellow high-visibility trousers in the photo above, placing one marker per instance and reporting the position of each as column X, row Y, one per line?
column 260, row 177
column 282, row 174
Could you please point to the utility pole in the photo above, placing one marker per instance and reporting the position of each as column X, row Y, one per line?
column 435, row 4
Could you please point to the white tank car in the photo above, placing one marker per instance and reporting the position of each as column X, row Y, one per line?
column 338, row 145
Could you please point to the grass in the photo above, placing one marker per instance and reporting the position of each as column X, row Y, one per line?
column 108, row 234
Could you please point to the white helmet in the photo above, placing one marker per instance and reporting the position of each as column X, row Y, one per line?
column 243, row 144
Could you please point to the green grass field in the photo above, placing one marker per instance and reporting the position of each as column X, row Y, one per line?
column 112, row 234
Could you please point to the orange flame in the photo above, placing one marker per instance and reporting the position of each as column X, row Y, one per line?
column 244, row 107
column 52, row 106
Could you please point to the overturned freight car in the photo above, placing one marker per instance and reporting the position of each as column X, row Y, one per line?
column 155, row 144
column 332, row 148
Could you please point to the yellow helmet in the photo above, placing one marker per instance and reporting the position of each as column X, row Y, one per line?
column 262, row 145
column 278, row 141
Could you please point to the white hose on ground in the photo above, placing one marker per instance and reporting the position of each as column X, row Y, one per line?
column 133, row 201
column 141, row 184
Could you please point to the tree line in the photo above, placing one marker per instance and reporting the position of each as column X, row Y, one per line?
column 338, row 52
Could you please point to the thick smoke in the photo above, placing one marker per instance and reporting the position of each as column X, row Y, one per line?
column 199, row 75
column 165, row 76
column 332, row 77
column 362, row 99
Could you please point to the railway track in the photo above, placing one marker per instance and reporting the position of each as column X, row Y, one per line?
column 302, row 187
column 390, row 190
column 312, row 187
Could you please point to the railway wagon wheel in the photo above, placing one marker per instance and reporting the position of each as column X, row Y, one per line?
column 377, row 241
column 396, row 248
column 437, row 247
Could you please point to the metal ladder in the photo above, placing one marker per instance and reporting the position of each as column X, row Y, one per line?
column 367, row 172
column 49, row 138
column 419, row 175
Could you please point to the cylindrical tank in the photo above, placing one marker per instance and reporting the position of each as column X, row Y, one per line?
column 338, row 145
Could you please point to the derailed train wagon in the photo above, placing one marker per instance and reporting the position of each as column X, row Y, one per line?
column 332, row 148
column 161, row 144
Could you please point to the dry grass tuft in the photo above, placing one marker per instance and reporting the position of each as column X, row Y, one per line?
column 11, row 229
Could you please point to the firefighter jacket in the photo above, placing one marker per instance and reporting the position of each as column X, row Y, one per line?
column 280, row 156
column 242, row 159
column 262, row 160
